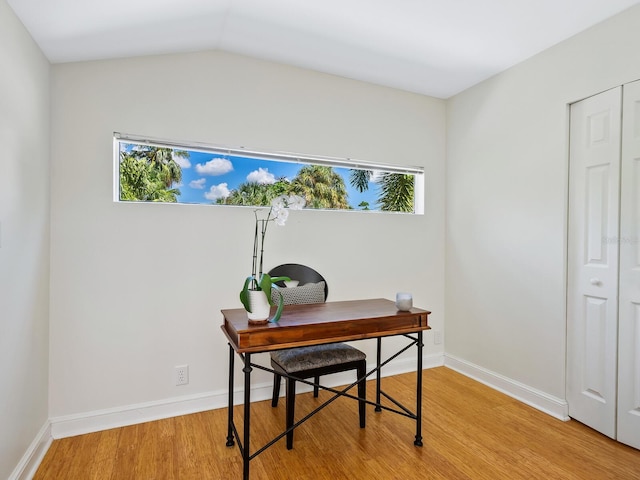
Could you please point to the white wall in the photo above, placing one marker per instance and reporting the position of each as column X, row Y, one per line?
column 506, row 190
column 24, row 239
column 137, row 289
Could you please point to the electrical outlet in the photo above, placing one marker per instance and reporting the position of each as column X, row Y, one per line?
column 182, row 374
column 437, row 337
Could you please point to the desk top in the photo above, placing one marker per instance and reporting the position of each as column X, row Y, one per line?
column 318, row 323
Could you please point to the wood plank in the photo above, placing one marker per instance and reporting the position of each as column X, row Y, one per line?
column 104, row 461
column 471, row 432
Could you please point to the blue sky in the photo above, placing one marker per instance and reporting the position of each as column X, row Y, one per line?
column 207, row 176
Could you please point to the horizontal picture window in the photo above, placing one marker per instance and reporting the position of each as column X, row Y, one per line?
column 151, row 170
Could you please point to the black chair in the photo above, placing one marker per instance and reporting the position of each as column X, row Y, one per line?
column 313, row 361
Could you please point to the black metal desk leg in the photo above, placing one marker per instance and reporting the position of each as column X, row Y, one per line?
column 378, row 362
column 418, row 441
column 247, row 415
column 230, row 440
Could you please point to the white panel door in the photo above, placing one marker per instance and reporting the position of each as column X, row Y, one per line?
column 629, row 293
column 592, row 304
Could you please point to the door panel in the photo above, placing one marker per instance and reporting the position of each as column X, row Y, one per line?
column 629, row 315
column 597, row 215
column 592, row 306
column 594, row 349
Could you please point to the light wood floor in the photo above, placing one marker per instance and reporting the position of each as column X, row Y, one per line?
column 470, row 432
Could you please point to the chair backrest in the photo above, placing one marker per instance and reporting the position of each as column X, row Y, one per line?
column 302, row 273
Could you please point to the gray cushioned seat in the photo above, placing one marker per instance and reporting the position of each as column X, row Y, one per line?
column 317, row 356
column 316, row 360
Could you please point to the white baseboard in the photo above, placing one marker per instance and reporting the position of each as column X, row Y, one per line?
column 71, row 425
column 98, row 420
column 556, row 407
column 30, row 461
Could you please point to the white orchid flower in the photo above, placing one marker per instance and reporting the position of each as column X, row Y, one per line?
column 280, row 201
column 280, row 216
column 296, row 202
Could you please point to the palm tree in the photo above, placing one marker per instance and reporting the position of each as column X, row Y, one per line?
column 360, row 179
column 321, row 187
column 396, row 192
column 248, row 193
column 140, row 181
column 256, row 194
column 396, row 189
column 163, row 160
column 148, row 174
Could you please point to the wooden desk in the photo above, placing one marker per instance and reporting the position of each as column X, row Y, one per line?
column 314, row 324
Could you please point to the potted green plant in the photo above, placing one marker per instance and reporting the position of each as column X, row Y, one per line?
column 256, row 291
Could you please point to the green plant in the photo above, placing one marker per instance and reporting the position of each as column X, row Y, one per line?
column 265, row 283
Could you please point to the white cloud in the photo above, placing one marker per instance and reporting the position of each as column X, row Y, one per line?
column 217, row 191
column 215, row 166
column 198, row 184
column 183, row 162
column 261, row 176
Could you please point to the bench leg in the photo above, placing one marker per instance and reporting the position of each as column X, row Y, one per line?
column 276, row 389
column 291, row 405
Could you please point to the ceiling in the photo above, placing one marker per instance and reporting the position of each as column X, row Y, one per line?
column 432, row 47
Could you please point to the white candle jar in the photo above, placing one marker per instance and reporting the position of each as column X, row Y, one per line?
column 404, row 301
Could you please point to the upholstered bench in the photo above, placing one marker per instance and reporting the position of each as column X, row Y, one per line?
column 313, row 361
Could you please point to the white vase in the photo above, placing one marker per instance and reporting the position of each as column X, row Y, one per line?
column 259, row 305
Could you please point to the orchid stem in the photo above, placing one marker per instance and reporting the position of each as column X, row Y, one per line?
column 254, row 283
column 265, row 223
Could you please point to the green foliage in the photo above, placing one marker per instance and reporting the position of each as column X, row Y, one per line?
column 139, row 181
column 396, row 192
column 255, row 194
column 360, row 179
column 266, row 283
column 320, row 186
column 147, row 174
column 163, row 161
